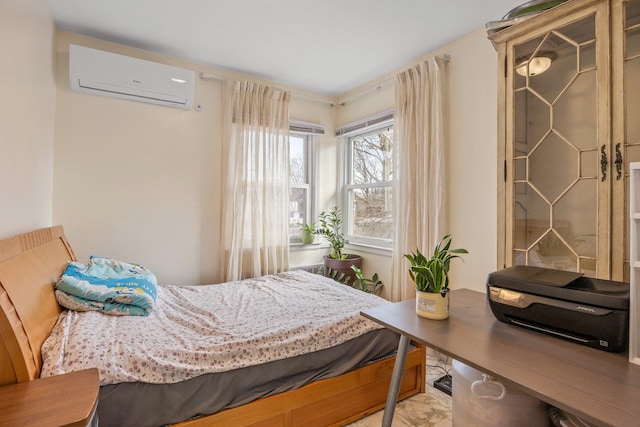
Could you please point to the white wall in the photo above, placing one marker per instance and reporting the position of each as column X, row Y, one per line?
column 472, row 165
column 137, row 181
column 142, row 182
column 26, row 115
column 471, row 156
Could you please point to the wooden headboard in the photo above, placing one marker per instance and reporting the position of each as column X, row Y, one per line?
column 30, row 264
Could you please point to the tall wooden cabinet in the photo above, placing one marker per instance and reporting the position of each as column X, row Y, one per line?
column 569, row 125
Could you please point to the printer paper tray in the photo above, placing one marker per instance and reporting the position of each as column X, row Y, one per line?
column 591, row 341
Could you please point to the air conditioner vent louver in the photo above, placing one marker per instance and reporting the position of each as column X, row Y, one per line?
column 109, row 74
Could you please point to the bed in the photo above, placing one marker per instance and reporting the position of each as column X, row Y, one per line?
column 329, row 394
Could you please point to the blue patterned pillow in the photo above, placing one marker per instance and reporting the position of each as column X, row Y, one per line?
column 107, row 285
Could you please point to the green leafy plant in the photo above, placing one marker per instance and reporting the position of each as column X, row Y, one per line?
column 307, row 233
column 432, row 274
column 309, row 228
column 372, row 286
column 331, row 229
column 336, row 275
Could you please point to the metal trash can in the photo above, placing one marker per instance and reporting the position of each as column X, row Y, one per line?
column 479, row 400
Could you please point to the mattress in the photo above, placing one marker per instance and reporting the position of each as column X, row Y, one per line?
column 142, row 404
column 205, row 348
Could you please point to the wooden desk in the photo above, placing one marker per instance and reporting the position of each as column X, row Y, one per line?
column 62, row 400
column 602, row 388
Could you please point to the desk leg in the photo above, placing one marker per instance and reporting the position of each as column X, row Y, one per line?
column 396, row 378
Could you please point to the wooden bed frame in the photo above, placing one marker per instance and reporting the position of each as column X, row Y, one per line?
column 31, row 263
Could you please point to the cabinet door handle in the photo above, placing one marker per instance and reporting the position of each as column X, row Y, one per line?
column 603, row 162
column 618, row 162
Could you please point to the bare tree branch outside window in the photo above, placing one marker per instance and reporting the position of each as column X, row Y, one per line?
column 372, row 174
column 299, row 185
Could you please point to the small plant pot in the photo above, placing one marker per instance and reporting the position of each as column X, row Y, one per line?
column 307, row 237
column 432, row 305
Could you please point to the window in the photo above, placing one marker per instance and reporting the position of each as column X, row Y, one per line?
column 368, row 192
column 302, row 169
column 300, row 183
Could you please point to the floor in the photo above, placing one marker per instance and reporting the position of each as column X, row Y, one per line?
column 431, row 409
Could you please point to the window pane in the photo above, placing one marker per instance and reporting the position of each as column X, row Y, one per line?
column 297, row 163
column 297, row 209
column 371, row 157
column 300, row 207
column 372, row 212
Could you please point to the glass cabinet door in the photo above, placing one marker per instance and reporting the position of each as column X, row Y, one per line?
column 557, row 196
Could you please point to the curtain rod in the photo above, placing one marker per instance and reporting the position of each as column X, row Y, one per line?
column 211, row 76
column 445, row 57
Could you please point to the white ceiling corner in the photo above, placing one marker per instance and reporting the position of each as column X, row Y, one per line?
column 328, row 47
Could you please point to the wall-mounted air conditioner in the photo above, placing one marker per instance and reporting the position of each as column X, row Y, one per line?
column 104, row 73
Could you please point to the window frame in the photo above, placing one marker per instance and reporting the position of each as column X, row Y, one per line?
column 348, row 187
column 309, row 157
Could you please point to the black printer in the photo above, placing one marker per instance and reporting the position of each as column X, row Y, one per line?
column 565, row 304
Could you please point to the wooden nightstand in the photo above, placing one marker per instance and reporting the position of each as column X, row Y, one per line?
column 62, row 400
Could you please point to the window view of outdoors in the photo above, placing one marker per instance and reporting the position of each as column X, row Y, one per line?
column 299, row 184
column 370, row 190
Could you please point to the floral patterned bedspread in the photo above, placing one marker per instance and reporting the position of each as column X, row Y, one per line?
column 204, row 329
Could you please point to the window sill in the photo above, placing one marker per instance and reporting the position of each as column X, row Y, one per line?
column 299, row 247
column 369, row 249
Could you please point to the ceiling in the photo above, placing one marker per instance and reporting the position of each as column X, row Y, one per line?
column 324, row 46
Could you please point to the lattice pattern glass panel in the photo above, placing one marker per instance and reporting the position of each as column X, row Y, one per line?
column 556, row 150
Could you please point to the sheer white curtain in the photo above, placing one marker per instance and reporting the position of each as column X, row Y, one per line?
column 255, row 210
column 419, row 168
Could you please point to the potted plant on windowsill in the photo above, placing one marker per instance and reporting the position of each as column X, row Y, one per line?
column 330, row 227
column 431, row 277
column 307, row 233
